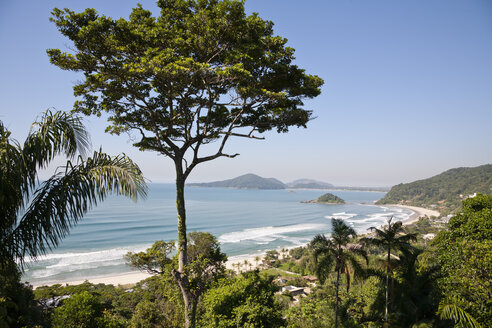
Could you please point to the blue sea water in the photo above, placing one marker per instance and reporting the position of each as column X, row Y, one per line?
column 244, row 221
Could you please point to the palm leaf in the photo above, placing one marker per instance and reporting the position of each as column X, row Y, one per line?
column 458, row 315
column 63, row 199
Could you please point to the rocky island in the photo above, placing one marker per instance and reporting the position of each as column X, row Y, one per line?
column 326, row 199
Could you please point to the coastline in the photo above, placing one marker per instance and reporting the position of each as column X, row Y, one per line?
column 132, row 278
column 417, row 212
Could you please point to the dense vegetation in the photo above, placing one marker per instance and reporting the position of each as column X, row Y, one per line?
column 440, row 283
column 445, row 191
column 246, row 181
column 329, row 199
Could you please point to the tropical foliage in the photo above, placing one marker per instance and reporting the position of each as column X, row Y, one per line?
column 35, row 216
column 242, row 301
column 389, row 238
column 337, row 251
column 464, row 254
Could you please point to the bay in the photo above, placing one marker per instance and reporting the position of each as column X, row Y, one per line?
column 244, row 221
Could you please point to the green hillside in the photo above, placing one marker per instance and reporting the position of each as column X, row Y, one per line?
column 330, row 199
column 443, row 192
column 247, row 181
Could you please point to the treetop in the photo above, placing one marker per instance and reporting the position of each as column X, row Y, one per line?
column 202, row 70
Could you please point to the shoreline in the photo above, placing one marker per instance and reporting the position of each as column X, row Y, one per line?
column 418, row 212
column 131, row 278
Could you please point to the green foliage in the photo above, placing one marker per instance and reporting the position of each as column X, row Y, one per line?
column 242, row 301
column 443, row 190
column 206, row 262
column 17, row 305
column 458, row 315
column 391, row 237
column 121, row 307
column 79, row 311
column 272, row 255
column 311, row 313
column 154, row 260
column 147, row 315
column 337, row 251
column 330, row 199
column 205, row 265
column 201, row 71
column 464, row 253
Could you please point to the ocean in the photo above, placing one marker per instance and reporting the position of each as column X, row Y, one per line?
column 246, row 222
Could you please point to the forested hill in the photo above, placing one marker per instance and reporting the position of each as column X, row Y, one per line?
column 247, row 181
column 443, row 192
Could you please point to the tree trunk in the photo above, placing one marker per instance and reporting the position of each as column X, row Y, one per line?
column 190, row 299
column 336, row 297
column 180, row 275
column 387, row 284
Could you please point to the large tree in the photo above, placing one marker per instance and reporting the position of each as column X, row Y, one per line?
column 200, row 73
column 337, row 250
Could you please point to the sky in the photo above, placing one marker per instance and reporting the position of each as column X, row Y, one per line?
column 407, row 93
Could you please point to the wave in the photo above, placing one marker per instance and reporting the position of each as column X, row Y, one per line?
column 341, row 215
column 57, row 263
column 266, row 234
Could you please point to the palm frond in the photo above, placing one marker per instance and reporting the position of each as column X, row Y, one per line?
column 12, row 183
column 458, row 315
column 53, row 134
column 353, row 260
column 63, row 199
column 59, row 133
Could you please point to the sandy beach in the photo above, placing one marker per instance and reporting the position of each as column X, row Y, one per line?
column 418, row 212
column 235, row 263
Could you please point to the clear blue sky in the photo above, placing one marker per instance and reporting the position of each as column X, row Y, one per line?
column 407, row 94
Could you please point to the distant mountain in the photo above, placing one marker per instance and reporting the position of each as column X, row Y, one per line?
column 309, row 184
column 314, row 184
column 443, row 192
column 247, row 181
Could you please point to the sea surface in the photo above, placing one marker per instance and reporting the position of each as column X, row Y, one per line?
column 246, row 222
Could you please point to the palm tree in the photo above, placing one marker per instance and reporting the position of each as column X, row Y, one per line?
column 338, row 250
column 35, row 216
column 246, row 264
column 257, row 259
column 390, row 237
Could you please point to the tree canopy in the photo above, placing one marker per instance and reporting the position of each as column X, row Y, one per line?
column 201, row 71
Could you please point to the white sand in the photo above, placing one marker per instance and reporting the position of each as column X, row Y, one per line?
column 418, row 212
column 124, row 279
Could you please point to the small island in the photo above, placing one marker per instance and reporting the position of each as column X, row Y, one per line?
column 326, row 199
